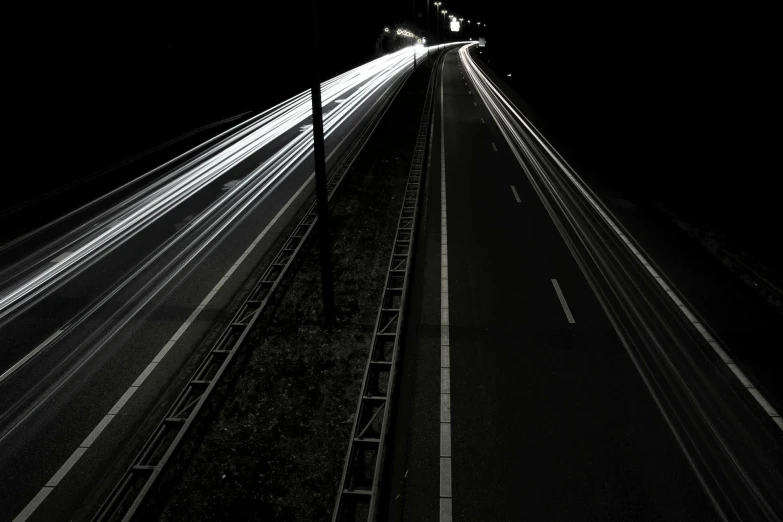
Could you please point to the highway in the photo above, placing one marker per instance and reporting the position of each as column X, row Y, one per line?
column 102, row 314
column 552, row 371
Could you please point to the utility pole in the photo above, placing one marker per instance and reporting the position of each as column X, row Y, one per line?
column 321, row 194
column 428, row 32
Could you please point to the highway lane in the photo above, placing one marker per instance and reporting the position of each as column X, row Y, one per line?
column 577, row 389
column 135, row 274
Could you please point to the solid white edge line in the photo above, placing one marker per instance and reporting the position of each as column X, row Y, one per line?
column 122, row 400
column 445, row 504
column 445, row 439
column 96, row 431
column 140, row 379
column 445, row 510
column 563, row 302
column 65, row 468
column 445, row 477
column 33, row 504
column 765, row 405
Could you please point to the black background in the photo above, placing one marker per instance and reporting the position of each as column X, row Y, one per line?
column 674, row 102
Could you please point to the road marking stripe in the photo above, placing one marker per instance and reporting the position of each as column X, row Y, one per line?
column 767, row 407
column 33, row 504
column 140, row 379
column 516, row 196
column 445, row 356
column 445, row 440
column 96, row 431
column 494, row 146
column 482, row 120
column 741, row 376
column 65, row 468
column 445, row 370
column 563, row 301
column 122, row 400
column 445, row 510
column 445, row 406
column 475, row 104
column 445, row 380
column 445, row 477
column 163, row 351
column 469, row 92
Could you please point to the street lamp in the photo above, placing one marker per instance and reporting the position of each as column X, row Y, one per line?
column 444, row 24
column 437, row 21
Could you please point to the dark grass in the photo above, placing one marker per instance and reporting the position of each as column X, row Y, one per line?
column 277, row 447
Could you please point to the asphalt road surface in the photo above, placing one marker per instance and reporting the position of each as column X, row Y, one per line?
column 99, row 318
column 552, row 371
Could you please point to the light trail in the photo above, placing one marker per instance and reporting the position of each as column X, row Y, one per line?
column 676, row 356
column 34, row 277
column 347, row 99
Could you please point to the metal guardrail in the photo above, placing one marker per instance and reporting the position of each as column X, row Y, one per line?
column 359, row 486
column 128, row 495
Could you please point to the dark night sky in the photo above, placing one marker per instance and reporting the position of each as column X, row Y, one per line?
column 685, row 100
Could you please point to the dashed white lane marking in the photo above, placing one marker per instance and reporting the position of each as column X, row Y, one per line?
column 765, row 405
column 469, row 92
column 475, row 104
column 482, row 120
column 30, row 355
column 445, row 369
column 563, row 301
column 62, row 257
column 516, row 196
column 494, row 146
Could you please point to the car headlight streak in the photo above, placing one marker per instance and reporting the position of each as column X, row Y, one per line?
column 35, row 277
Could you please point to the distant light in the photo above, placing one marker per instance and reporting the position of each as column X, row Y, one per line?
column 455, row 26
column 423, row 40
column 385, row 29
column 509, row 74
